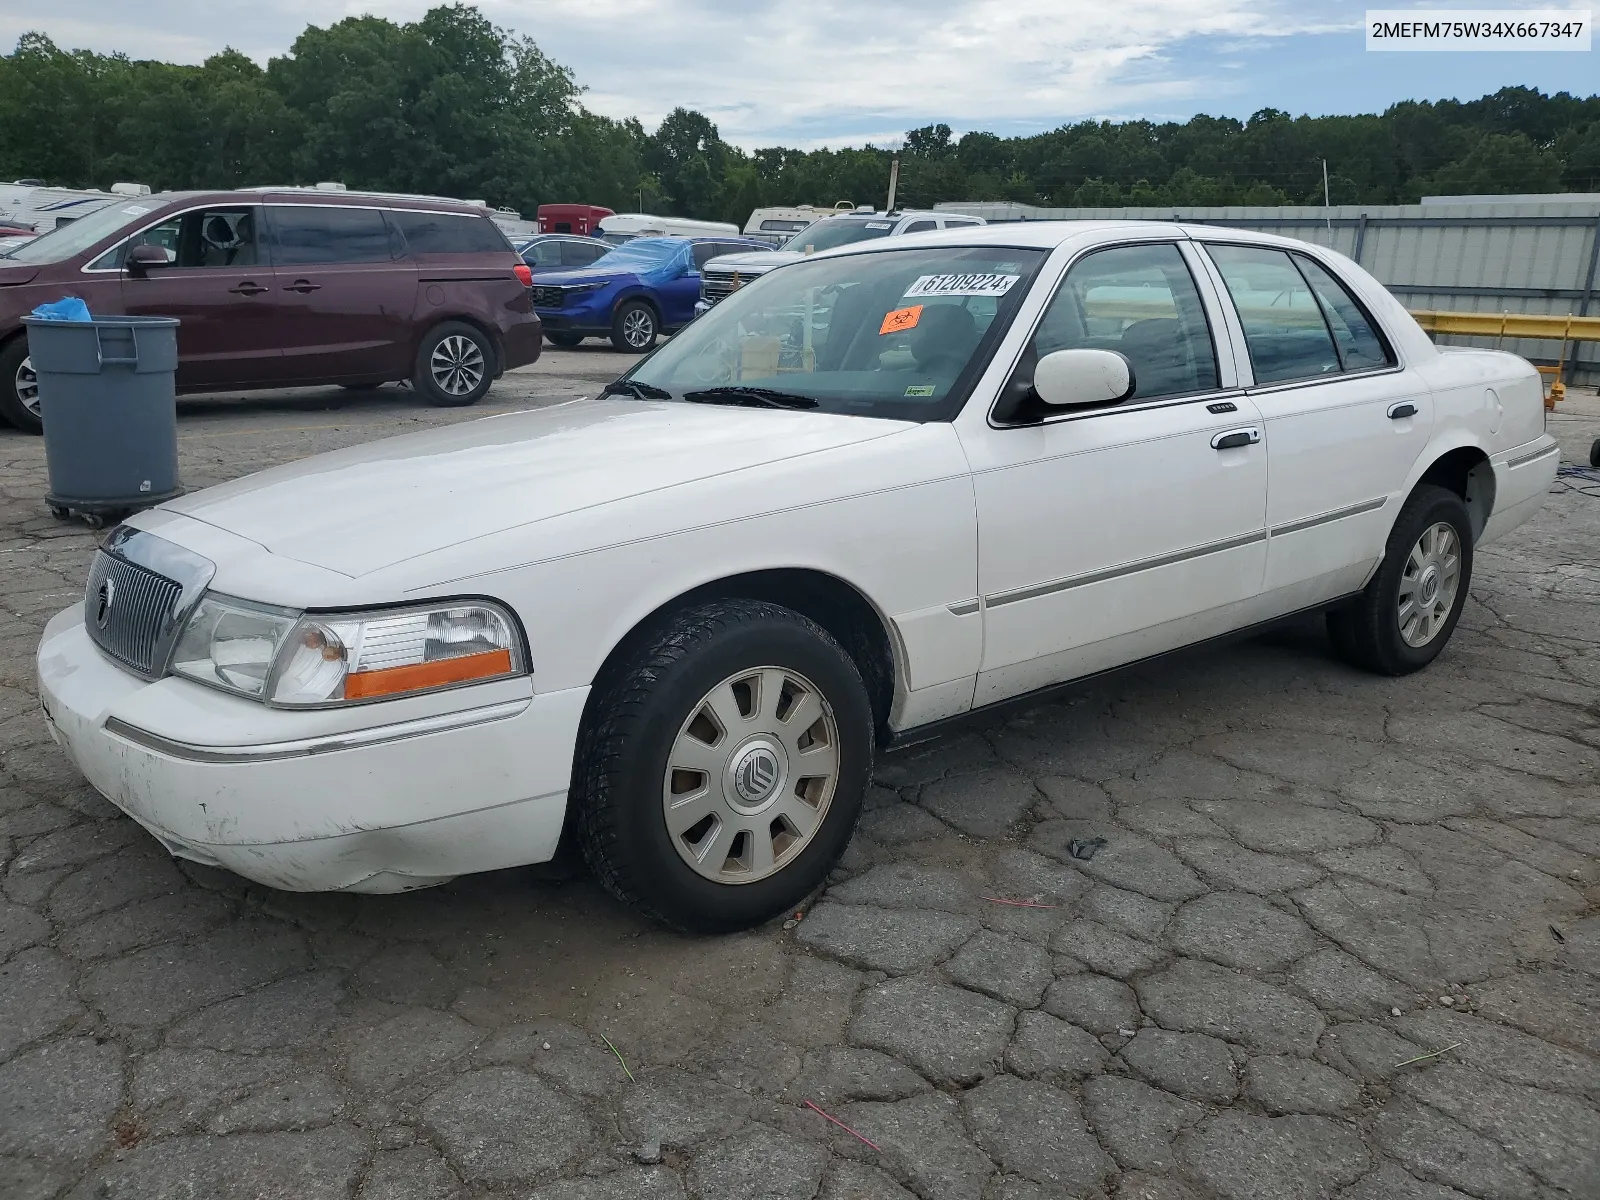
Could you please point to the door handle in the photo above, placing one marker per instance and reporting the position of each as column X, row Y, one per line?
column 1406, row 409
column 302, row 286
column 1234, row 438
column 247, row 288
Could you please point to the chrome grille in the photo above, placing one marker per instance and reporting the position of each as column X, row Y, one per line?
column 714, row 285
column 128, row 611
column 547, row 297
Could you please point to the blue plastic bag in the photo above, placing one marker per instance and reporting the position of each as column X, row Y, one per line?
column 68, row 308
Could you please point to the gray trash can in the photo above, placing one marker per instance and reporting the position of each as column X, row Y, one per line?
column 110, row 413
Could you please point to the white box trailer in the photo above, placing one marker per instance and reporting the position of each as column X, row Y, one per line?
column 623, row 227
column 43, row 208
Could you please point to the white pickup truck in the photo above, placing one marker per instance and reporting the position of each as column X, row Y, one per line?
column 727, row 274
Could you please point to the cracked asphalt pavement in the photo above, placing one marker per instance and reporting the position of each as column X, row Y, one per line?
column 1341, row 941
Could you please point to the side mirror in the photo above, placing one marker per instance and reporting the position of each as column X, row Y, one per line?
column 141, row 259
column 1067, row 378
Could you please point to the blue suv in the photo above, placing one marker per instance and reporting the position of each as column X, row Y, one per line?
column 644, row 287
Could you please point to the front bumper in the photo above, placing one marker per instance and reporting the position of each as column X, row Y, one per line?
column 382, row 806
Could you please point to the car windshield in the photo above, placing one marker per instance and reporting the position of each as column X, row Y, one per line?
column 838, row 231
column 640, row 254
column 65, row 241
column 890, row 333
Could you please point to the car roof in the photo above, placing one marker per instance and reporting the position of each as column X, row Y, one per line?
column 1047, row 235
column 301, row 195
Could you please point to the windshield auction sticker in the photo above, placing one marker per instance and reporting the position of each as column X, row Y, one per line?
column 900, row 320
column 961, row 285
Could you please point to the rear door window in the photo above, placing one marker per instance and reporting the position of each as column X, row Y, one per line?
column 581, row 254
column 1354, row 334
column 307, row 234
column 448, row 233
column 1141, row 302
column 1284, row 325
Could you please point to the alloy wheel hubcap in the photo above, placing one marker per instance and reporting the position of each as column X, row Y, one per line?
column 1428, row 585
column 637, row 328
column 27, row 385
column 750, row 775
column 457, row 365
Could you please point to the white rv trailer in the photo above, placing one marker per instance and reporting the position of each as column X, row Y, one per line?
column 43, row 208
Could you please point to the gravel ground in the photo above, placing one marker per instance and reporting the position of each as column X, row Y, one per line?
column 1341, row 941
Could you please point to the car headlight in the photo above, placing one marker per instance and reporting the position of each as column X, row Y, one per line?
column 282, row 656
column 579, row 288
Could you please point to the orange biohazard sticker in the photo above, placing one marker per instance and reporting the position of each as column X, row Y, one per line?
column 900, row 320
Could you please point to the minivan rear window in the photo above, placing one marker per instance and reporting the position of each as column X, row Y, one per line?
column 449, row 233
column 310, row 233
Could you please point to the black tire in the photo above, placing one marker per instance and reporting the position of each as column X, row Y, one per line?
column 634, row 327
column 455, row 365
column 635, row 716
column 12, row 373
column 1594, row 454
column 1367, row 631
column 566, row 340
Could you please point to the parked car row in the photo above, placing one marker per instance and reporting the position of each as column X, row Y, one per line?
column 641, row 289
column 287, row 287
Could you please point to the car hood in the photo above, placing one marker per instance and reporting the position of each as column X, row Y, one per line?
column 581, row 275
column 358, row 510
column 755, row 261
column 12, row 274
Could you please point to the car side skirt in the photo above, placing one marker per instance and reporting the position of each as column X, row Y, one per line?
column 900, row 738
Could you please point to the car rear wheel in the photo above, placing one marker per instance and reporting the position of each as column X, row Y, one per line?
column 634, row 327
column 565, row 340
column 19, row 387
column 723, row 770
column 455, row 365
column 1406, row 614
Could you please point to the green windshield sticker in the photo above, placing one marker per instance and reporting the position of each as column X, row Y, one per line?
column 920, row 389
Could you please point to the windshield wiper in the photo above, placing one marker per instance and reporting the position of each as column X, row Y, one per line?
column 758, row 397
column 632, row 387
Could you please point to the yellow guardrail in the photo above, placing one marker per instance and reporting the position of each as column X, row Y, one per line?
column 1565, row 329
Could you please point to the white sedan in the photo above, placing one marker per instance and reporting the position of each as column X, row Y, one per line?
column 872, row 493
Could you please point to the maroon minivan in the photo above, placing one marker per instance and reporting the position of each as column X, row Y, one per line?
column 279, row 287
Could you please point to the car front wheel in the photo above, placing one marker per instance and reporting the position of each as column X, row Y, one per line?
column 19, row 388
column 1406, row 614
column 455, row 365
column 634, row 328
column 722, row 772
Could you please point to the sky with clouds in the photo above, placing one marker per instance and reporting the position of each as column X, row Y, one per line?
column 839, row 72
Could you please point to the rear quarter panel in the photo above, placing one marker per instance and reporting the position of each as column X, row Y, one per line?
column 482, row 289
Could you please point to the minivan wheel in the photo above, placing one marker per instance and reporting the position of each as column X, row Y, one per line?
column 723, row 769
column 633, row 328
column 19, row 387
column 455, row 365
column 1406, row 614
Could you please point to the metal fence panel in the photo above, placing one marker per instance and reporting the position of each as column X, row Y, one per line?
column 1521, row 257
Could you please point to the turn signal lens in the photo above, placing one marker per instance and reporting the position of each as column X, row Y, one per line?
column 334, row 657
column 393, row 681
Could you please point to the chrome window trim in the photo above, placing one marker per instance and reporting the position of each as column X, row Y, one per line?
column 1167, row 238
column 255, row 203
column 1035, row 590
column 88, row 269
column 327, row 744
